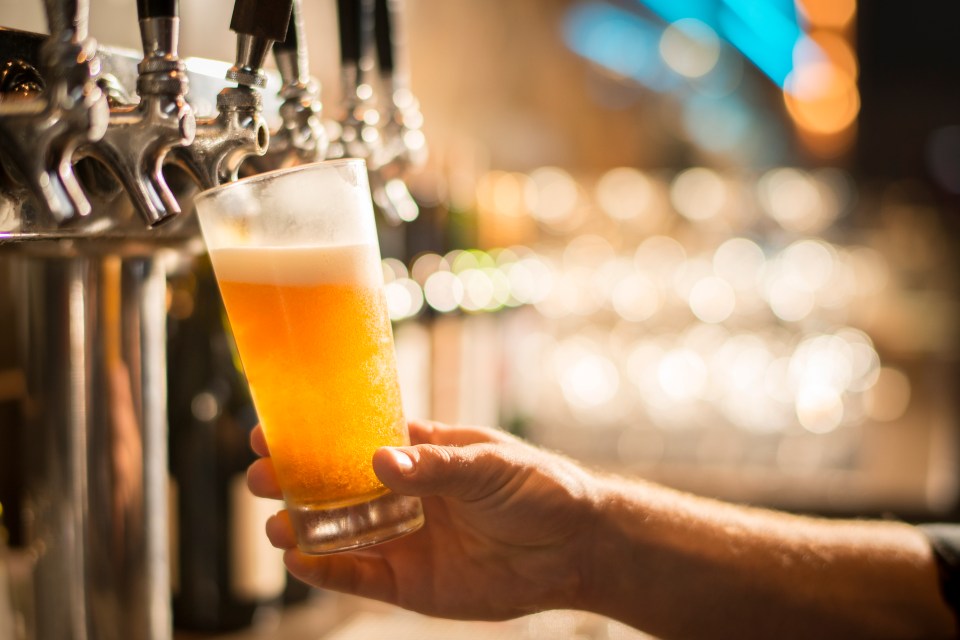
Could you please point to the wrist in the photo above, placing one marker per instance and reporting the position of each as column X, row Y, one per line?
column 610, row 547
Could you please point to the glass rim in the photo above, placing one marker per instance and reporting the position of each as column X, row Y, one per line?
column 273, row 173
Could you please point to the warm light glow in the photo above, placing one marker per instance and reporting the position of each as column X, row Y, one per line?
column 426, row 265
column 661, row 257
column 822, row 97
column 690, row 47
column 553, row 198
column 478, row 291
column 588, row 379
column 682, row 374
column 739, row 261
column 625, row 193
column 502, row 193
column 834, row 14
column 636, row 298
column 443, row 291
column 530, row 280
column 404, row 298
column 393, row 269
column 698, row 194
column 796, row 200
column 712, row 299
column 819, row 409
column 823, row 46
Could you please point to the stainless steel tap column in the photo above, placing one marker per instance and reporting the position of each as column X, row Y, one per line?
column 92, row 331
column 90, row 294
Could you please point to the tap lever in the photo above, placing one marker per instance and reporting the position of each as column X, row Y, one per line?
column 383, row 33
column 257, row 23
column 262, row 18
column 141, row 135
column 157, row 9
column 301, row 137
column 351, row 32
column 290, row 53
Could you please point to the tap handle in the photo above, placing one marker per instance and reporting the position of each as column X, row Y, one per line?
column 351, row 32
column 291, row 52
column 262, row 18
column 157, row 9
column 291, row 39
column 257, row 23
column 383, row 13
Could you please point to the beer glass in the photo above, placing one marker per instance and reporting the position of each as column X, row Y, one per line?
column 296, row 256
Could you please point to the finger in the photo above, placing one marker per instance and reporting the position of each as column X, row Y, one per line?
column 262, row 479
column 427, row 432
column 364, row 574
column 280, row 531
column 258, row 441
column 467, row 473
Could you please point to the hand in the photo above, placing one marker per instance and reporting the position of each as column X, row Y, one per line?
column 507, row 527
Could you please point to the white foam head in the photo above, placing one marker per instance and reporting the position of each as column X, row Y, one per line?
column 324, row 203
column 357, row 264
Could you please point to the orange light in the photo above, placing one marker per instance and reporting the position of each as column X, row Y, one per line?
column 822, row 98
column 834, row 14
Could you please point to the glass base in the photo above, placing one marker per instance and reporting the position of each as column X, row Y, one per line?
column 328, row 530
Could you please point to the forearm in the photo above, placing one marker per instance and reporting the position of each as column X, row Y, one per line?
column 681, row 566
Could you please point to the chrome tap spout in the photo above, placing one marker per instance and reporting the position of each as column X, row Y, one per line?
column 239, row 130
column 223, row 142
column 39, row 135
column 140, row 136
column 301, row 136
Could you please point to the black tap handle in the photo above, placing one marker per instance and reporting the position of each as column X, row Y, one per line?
column 268, row 19
column 351, row 31
column 383, row 32
column 291, row 41
column 157, row 9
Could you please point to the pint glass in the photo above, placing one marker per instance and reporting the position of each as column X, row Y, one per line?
column 296, row 256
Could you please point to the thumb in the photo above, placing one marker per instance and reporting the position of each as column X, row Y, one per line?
column 470, row 472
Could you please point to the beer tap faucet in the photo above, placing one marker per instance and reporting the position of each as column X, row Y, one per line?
column 401, row 143
column 301, row 136
column 238, row 130
column 140, row 135
column 357, row 132
column 39, row 135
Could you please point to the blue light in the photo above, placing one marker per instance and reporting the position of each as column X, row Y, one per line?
column 764, row 35
column 764, row 31
column 619, row 41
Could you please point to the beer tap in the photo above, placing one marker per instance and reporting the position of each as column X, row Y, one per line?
column 402, row 144
column 301, row 136
column 140, row 135
column 39, row 135
column 403, row 141
column 387, row 140
column 238, row 130
column 356, row 132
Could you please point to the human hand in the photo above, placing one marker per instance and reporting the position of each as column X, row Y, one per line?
column 506, row 533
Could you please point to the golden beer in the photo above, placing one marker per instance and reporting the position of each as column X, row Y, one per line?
column 296, row 256
column 313, row 333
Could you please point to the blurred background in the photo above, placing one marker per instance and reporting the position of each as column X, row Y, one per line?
column 712, row 243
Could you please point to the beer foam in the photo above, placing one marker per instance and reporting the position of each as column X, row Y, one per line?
column 357, row 264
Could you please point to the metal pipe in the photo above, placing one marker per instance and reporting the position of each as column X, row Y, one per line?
column 92, row 334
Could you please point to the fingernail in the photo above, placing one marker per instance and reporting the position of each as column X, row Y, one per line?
column 404, row 462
